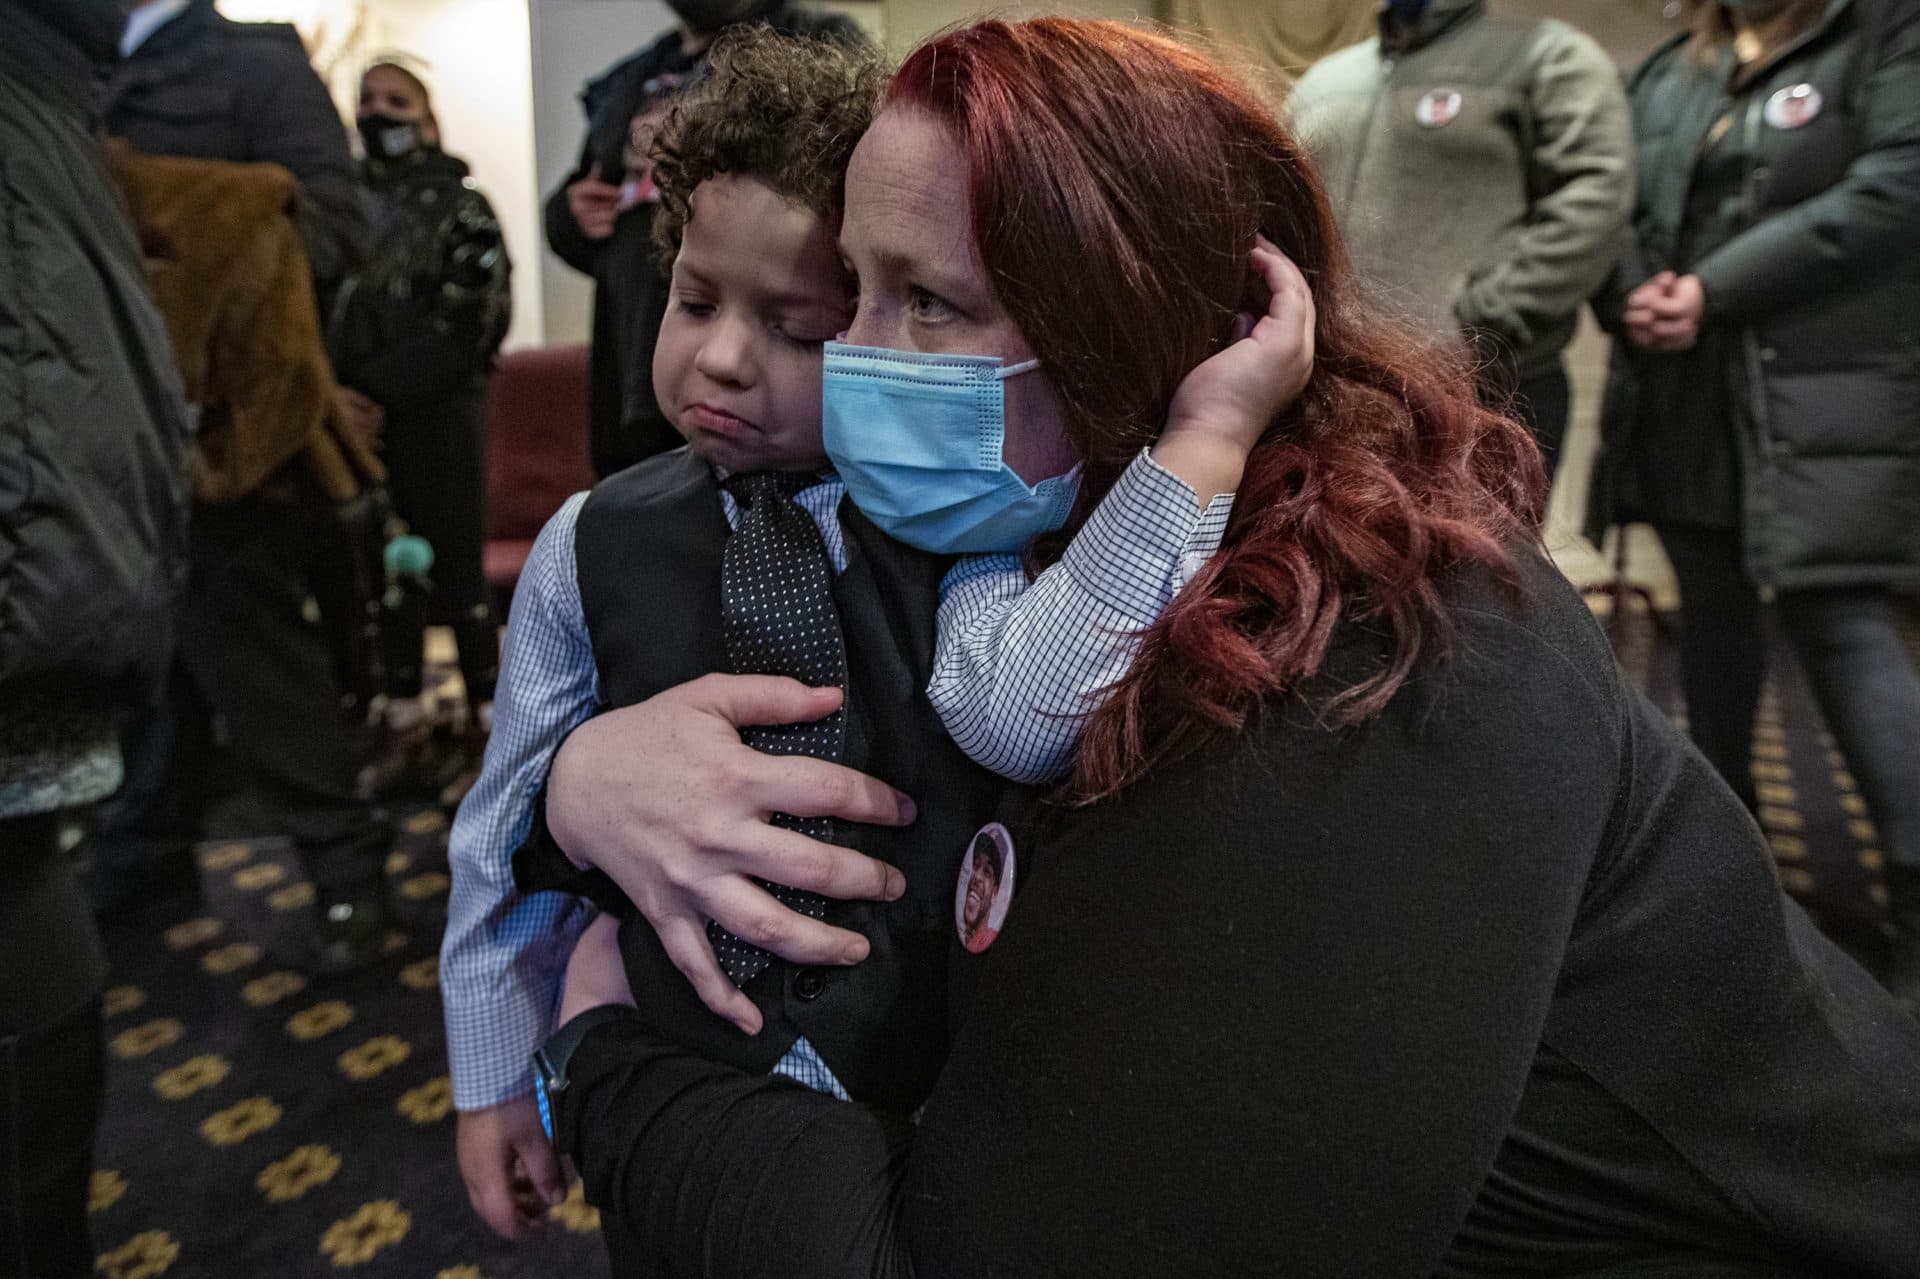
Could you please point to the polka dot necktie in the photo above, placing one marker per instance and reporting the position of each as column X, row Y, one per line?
column 778, row 618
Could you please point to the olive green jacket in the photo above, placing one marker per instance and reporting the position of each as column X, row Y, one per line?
column 1480, row 167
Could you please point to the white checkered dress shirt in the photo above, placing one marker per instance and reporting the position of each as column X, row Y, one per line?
column 505, row 954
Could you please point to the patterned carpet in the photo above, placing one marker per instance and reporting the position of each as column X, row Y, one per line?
column 261, row 1125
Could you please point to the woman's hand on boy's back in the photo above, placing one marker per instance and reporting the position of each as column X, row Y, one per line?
column 665, row 798
column 1226, row 404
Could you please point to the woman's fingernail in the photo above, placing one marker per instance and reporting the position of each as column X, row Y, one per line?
column 908, row 810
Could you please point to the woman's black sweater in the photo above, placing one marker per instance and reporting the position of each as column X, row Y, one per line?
column 1499, row 983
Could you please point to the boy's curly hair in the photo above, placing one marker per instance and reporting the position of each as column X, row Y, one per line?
column 786, row 109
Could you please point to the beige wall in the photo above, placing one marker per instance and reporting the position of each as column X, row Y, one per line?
column 909, row 21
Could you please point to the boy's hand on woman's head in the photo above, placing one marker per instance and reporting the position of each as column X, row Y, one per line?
column 510, row 1168
column 1226, row 404
column 667, row 800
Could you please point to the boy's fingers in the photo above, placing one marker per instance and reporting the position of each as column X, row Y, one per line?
column 1282, row 275
column 750, row 913
column 493, row 1200
column 744, row 700
column 798, row 861
column 541, row 1164
column 686, row 944
column 819, row 788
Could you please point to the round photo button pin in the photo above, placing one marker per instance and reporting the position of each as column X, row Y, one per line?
column 1438, row 109
column 985, row 888
column 1794, row 107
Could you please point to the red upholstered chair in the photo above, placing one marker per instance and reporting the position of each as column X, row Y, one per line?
column 536, row 452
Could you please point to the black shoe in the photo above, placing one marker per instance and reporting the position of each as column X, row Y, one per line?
column 349, row 933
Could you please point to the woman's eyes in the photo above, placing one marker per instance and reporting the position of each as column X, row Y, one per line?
column 923, row 304
column 696, row 307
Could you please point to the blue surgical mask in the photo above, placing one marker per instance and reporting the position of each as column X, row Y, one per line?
column 919, row 439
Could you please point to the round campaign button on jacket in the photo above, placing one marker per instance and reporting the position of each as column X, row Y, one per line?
column 985, row 888
column 1794, row 107
column 1438, row 108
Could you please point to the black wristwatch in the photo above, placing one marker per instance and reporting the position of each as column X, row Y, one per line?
column 551, row 1059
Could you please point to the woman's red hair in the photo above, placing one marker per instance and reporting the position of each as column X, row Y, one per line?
column 1118, row 178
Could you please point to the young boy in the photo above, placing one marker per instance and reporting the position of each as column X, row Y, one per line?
column 635, row 587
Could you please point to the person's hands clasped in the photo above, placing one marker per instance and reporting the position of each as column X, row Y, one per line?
column 1665, row 313
column 667, row 800
column 595, row 205
column 1222, row 408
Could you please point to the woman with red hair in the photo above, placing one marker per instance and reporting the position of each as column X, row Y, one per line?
column 1380, row 930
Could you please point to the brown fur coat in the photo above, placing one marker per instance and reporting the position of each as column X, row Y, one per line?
column 232, row 281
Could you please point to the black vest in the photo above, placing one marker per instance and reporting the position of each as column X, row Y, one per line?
column 647, row 551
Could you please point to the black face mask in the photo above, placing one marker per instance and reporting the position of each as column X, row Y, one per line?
column 390, row 138
column 706, row 17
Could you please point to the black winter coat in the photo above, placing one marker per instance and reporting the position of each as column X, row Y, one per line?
column 422, row 318
column 93, row 423
column 209, row 88
column 1793, row 192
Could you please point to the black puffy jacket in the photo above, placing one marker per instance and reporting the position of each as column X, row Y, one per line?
column 422, row 318
column 93, row 425
column 1794, row 194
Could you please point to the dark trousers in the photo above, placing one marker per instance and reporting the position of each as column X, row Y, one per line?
column 436, row 472
column 52, row 1062
column 1544, row 402
column 249, row 653
column 1848, row 641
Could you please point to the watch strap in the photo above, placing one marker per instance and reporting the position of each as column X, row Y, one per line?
column 552, row 1059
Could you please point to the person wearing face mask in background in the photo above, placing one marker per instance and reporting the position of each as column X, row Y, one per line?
column 413, row 335
column 600, row 218
column 93, row 507
column 1764, row 408
column 1481, row 168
